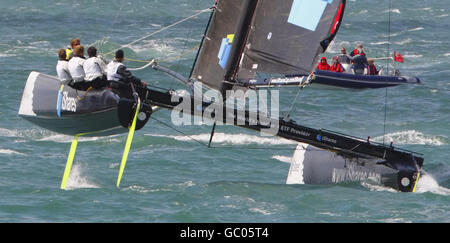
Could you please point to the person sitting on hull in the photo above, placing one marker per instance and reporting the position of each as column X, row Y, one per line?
column 62, row 68
column 323, row 65
column 121, row 78
column 95, row 69
column 69, row 50
column 337, row 66
column 76, row 69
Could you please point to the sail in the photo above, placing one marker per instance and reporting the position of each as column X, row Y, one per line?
column 215, row 50
column 287, row 36
column 276, row 37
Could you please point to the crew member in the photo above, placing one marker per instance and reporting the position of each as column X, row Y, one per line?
column 372, row 69
column 62, row 68
column 323, row 64
column 76, row 69
column 358, row 68
column 95, row 69
column 358, row 51
column 343, row 58
column 337, row 66
column 121, row 77
column 69, row 51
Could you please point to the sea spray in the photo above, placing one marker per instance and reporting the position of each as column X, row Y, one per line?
column 78, row 179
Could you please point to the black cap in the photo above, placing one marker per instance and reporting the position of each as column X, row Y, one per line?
column 119, row 54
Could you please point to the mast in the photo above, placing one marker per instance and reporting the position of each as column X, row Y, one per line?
column 239, row 43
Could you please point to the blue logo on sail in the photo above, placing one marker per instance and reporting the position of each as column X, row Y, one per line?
column 307, row 13
column 225, row 49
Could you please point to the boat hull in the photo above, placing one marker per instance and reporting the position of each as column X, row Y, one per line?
column 65, row 110
column 346, row 80
column 312, row 165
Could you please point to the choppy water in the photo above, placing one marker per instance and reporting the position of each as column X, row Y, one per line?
column 171, row 178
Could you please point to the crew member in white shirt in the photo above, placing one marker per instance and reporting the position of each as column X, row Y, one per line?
column 76, row 69
column 121, row 77
column 62, row 68
column 95, row 70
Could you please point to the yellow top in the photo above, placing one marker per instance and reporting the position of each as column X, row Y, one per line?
column 68, row 52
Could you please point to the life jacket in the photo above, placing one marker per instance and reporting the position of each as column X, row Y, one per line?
column 69, row 52
column 62, row 69
column 323, row 66
column 76, row 69
column 336, row 68
column 373, row 70
column 355, row 52
column 111, row 71
column 94, row 67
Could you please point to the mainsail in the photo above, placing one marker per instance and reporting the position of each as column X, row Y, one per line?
column 276, row 37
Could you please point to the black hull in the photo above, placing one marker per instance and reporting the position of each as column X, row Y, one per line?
column 346, row 80
column 401, row 165
column 103, row 123
column 312, row 165
column 93, row 113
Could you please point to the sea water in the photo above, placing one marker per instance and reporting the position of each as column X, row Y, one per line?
column 170, row 175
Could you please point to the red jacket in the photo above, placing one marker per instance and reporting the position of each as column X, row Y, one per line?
column 337, row 67
column 356, row 52
column 323, row 66
column 373, row 70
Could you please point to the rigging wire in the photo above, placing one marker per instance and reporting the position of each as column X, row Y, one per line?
column 301, row 86
column 387, row 68
column 177, row 68
column 160, row 30
column 143, row 67
column 221, row 147
column 170, row 59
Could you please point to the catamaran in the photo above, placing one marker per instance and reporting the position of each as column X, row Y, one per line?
column 242, row 38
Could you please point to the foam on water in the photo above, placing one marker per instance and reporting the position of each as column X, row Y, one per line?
column 403, row 42
column 60, row 138
column 9, row 151
column 235, row 139
column 395, row 10
column 377, row 187
column 77, row 179
column 412, row 55
column 416, row 29
column 284, row 159
column 412, row 137
column 45, row 135
column 428, row 184
column 30, row 134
